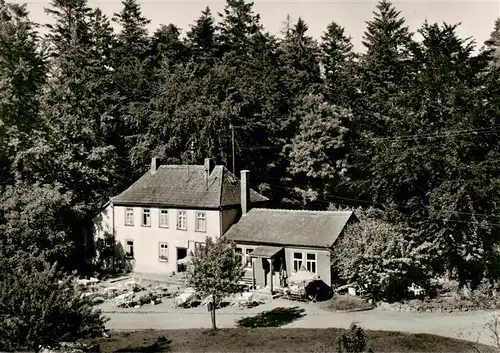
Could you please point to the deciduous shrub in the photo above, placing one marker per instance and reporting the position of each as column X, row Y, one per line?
column 380, row 256
column 354, row 340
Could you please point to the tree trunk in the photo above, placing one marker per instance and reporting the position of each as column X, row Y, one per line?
column 212, row 312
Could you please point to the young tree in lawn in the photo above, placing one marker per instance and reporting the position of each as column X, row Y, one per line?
column 215, row 270
column 40, row 307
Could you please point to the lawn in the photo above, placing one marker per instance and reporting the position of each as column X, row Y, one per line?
column 273, row 339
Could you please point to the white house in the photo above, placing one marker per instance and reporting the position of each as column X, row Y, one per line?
column 171, row 210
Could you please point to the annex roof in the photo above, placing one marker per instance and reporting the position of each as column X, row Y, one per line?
column 290, row 227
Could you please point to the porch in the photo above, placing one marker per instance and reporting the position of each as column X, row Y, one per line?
column 268, row 268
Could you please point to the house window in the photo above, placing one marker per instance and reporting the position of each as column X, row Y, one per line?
column 182, row 220
column 201, row 222
column 164, row 218
column 297, row 261
column 129, row 250
column 239, row 252
column 198, row 246
column 163, row 252
column 129, row 217
column 146, row 217
column 248, row 259
column 311, row 262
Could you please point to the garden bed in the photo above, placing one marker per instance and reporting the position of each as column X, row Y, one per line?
column 450, row 299
column 346, row 303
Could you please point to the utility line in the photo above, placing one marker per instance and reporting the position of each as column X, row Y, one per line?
column 386, row 205
column 402, row 138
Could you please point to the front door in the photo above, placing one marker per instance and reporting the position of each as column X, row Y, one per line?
column 181, row 253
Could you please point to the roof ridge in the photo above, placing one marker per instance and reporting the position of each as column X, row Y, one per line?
column 308, row 211
column 165, row 166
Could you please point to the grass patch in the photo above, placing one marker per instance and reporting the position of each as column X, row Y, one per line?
column 273, row 339
column 345, row 303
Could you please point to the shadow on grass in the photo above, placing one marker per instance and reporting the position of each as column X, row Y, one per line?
column 161, row 345
column 272, row 318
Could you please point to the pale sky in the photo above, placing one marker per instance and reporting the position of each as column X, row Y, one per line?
column 477, row 16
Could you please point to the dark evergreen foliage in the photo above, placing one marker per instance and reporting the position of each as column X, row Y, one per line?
column 408, row 127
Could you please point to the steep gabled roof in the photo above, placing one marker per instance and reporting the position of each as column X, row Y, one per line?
column 186, row 186
column 290, row 227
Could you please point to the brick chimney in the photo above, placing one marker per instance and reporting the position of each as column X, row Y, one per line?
column 245, row 191
column 155, row 164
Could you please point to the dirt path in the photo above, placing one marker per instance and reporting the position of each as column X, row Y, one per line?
column 464, row 325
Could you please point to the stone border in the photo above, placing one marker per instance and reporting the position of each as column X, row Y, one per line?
column 432, row 307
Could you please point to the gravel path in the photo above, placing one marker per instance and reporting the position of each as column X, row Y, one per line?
column 464, row 325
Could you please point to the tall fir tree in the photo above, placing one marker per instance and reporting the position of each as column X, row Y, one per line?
column 133, row 76
column 444, row 177
column 385, row 65
column 299, row 58
column 200, row 39
column 337, row 58
column 167, row 49
column 236, row 29
column 385, row 69
column 79, row 110
column 22, row 73
column 493, row 44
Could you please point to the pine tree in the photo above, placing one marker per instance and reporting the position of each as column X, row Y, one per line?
column 22, row 72
column 387, row 41
column 299, row 75
column 133, row 76
column 238, row 25
column 444, row 179
column 133, row 38
column 167, row 47
column 300, row 61
column 493, row 43
column 200, row 39
column 338, row 63
column 384, row 70
column 79, row 111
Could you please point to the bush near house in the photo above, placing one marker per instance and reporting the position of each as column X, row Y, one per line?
column 449, row 297
column 40, row 307
column 381, row 257
column 110, row 259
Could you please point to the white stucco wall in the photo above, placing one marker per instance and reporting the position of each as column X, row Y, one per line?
column 147, row 240
column 323, row 267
